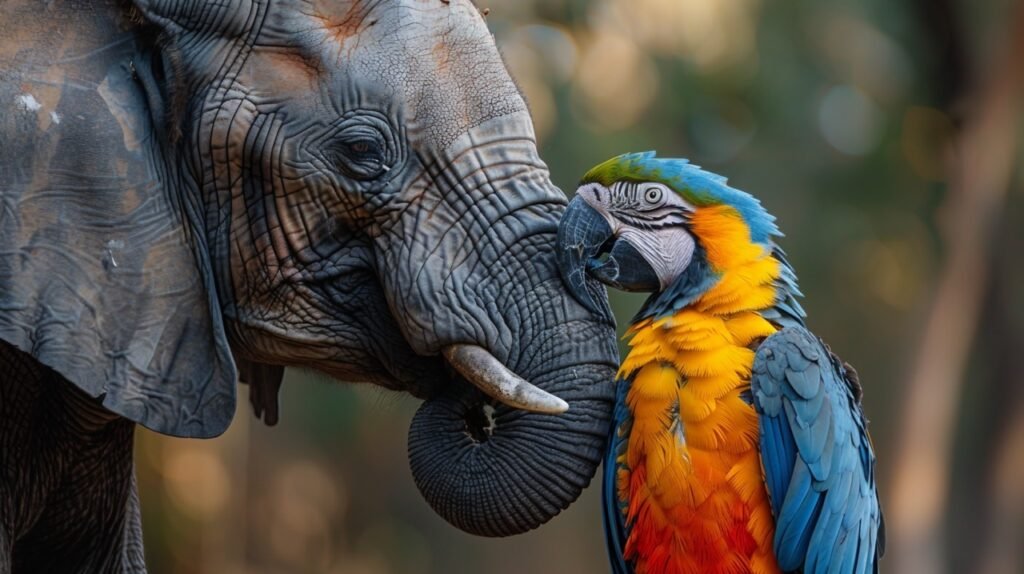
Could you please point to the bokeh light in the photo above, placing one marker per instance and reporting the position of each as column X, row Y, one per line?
column 849, row 120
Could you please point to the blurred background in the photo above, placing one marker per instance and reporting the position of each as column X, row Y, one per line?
column 884, row 135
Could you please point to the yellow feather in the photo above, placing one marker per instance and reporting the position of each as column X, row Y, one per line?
column 746, row 477
column 692, row 434
column 727, row 359
column 724, row 236
column 694, row 321
column 713, row 387
column 762, row 524
column 748, row 326
column 693, row 407
column 733, row 430
column 763, row 563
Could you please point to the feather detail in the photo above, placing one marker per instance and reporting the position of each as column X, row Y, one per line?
column 739, row 444
column 691, row 473
column 748, row 327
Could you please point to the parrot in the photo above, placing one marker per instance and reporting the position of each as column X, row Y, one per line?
column 738, row 442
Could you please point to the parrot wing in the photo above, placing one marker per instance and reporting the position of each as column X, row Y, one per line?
column 817, row 457
column 614, row 508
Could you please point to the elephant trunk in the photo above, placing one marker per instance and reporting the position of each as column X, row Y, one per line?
column 520, row 429
column 494, row 470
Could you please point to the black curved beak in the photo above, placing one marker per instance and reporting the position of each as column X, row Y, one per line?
column 581, row 234
column 587, row 246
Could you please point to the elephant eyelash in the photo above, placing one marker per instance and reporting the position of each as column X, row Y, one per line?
column 365, row 148
column 361, row 157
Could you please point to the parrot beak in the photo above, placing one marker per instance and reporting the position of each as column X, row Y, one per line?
column 581, row 234
column 587, row 245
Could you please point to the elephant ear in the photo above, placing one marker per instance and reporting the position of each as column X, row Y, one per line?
column 104, row 276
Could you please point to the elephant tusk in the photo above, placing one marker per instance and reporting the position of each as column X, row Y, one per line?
column 495, row 379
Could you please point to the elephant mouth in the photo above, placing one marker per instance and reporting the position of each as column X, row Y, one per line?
column 479, row 367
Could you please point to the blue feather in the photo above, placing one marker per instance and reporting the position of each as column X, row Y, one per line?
column 703, row 188
column 613, row 508
column 778, row 439
column 801, row 507
column 828, row 521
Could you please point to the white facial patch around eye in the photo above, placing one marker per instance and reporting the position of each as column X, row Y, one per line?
column 668, row 250
column 675, row 200
column 643, row 205
column 650, row 195
column 654, row 226
column 601, row 199
column 593, row 193
column 630, row 198
column 653, row 193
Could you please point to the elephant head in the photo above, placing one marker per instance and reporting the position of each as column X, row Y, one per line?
column 351, row 186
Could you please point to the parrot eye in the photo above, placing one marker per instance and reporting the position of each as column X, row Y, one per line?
column 653, row 194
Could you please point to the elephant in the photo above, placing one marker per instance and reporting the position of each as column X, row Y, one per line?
column 194, row 192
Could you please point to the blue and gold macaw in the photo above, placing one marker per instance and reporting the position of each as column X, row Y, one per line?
column 739, row 444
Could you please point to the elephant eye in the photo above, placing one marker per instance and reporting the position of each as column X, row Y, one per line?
column 362, row 157
column 363, row 147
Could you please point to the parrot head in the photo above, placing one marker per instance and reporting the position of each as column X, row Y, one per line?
column 660, row 225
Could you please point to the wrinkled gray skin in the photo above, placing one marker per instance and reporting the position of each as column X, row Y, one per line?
column 189, row 190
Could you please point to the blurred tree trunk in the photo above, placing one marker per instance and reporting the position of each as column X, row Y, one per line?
column 1000, row 537
column 982, row 169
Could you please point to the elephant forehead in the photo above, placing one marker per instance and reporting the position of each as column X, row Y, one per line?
column 436, row 60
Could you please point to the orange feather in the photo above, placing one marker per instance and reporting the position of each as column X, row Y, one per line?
column 692, row 476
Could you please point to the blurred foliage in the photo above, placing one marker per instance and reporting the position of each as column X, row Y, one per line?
column 828, row 111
